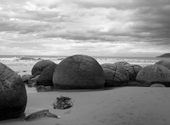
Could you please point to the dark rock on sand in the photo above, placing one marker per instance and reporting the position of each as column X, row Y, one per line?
column 154, row 74
column 46, row 77
column 157, row 85
column 137, row 84
column 117, row 68
column 164, row 63
column 114, row 78
column 78, row 72
column 13, row 96
column 133, row 71
column 40, row 66
column 26, row 77
column 33, row 81
column 41, row 88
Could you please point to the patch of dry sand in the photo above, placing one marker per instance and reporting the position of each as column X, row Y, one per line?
column 119, row 106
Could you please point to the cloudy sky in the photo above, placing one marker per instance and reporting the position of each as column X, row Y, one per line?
column 91, row 27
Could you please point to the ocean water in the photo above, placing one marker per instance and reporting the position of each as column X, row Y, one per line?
column 15, row 61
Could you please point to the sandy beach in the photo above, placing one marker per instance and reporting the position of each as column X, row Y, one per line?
column 116, row 106
column 113, row 106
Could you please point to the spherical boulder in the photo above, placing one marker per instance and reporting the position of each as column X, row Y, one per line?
column 133, row 70
column 164, row 63
column 46, row 77
column 13, row 96
column 157, row 85
column 78, row 72
column 114, row 78
column 40, row 66
column 117, row 68
column 154, row 74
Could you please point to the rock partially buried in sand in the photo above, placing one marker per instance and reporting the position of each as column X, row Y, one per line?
column 78, row 72
column 13, row 96
column 40, row 114
column 157, row 85
column 164, row 63
column 113, row 78
column 33, row 81
column 46, row 77
column 41, row 88
column 154, row 74
column 40, row 66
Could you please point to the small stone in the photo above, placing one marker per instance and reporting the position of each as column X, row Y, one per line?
column 26, row 77
column 47, row 88
column 40, row 88
column 157, row 85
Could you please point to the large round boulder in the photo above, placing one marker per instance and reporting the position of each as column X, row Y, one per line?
column 13, row 96
column 154, row 74
column 114, row 78
column 164, row 63
column 46, row 77
column 40, row 66
column 133, row 70
column 78, row 72
column 117, row 68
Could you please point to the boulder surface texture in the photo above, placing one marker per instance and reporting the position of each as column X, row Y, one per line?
column 114, row 78
column 46, row 77
column 78, row 72
column 154, row 74
column 13, row 96
column 133, row 71
column 40, row 66
column 164, row 63
column 117, row 68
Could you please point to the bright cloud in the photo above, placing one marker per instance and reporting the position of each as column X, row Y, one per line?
column 65, row 27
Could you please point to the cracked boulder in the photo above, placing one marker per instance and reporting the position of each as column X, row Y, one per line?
column 40, row 66
column 117, row 68
column 133, row 71
column 114, row 78
column 46, row 77
column 13, row 96
column 154, row 74
column 78, row 72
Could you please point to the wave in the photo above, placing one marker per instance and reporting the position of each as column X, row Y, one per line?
column 24, row 60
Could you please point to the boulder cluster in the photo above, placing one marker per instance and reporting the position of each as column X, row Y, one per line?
column 84, row 72
column 75, row 72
